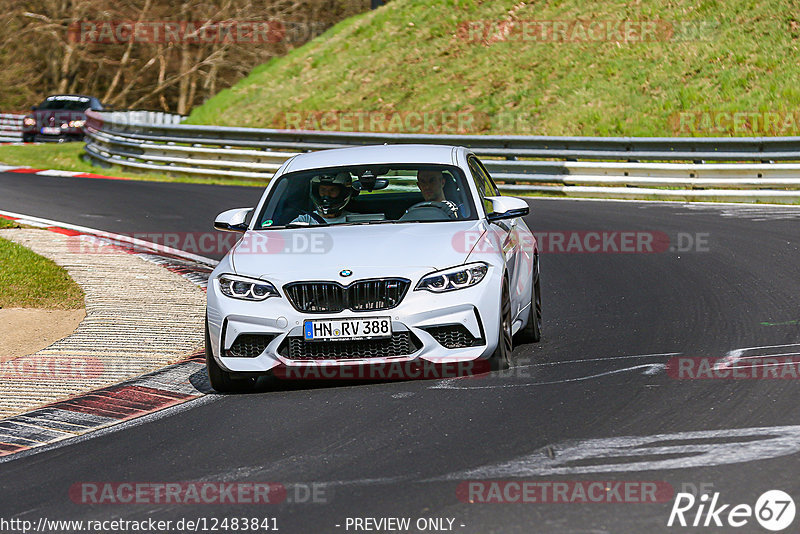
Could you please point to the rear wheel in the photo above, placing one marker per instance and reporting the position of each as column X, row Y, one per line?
column 221, row 380
column 532, row 331
column 501, row 359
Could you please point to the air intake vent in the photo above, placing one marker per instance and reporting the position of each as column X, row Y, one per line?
column 249, row 345
column 454, row 336
column 400, row 344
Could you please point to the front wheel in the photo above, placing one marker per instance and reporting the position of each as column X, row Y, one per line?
column 501, row 359
column 221, row 380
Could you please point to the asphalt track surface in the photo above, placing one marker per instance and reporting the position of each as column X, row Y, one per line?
column 400, row 449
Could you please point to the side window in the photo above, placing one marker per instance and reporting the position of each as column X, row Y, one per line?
column 490, row 185
column 482, row 183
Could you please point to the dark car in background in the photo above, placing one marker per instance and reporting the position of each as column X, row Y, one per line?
column 58, row 118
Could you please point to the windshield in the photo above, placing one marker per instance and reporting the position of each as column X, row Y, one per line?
column 66, row 103
column 375, row 194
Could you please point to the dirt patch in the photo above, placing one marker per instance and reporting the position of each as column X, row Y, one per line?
column 24, row 331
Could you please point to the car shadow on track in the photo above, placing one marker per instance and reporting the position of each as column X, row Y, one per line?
column 274, row 384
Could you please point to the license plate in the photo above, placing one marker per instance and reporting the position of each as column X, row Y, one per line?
column 347, row 329
column 48, row 130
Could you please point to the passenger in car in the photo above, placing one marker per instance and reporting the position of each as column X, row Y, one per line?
column 431, row 184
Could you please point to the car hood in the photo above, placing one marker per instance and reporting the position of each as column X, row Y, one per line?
column 321, row 253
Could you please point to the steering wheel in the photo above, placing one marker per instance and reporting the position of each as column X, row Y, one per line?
column 319, row 219
column 446, row 208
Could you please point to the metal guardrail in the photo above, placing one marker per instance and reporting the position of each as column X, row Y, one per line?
column 10, row 127
column 159, row 142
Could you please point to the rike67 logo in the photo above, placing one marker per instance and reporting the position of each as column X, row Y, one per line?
column 774, row 510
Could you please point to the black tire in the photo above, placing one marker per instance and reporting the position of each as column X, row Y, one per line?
column 532, row 331
column 222, row 381
column 501, row 359
column 27, row 138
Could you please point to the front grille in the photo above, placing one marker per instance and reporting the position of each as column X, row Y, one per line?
column 249, row 345
column 364, row 295
column 400, row 344
column 454, row 336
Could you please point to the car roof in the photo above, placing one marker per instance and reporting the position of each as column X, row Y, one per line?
column 375, row 154
column 61, row 95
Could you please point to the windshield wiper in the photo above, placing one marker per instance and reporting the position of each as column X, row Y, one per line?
column 302, row 225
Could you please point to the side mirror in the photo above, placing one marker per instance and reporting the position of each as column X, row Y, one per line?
column 235, row 220
column 507, row 208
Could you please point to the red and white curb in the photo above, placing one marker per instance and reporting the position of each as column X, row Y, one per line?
column 55, row 172
column 131, row 399
column 193, row 267
column 105, row 407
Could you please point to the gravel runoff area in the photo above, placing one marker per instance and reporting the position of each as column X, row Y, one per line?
column 139, row 317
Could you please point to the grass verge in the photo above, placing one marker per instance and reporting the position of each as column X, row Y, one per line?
column 67, row 157
column 28, row 280
column 419, row 56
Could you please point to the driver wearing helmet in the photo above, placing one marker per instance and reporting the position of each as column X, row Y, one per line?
column 330, row 195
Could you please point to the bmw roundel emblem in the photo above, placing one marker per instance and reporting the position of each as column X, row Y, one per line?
column 345, row 273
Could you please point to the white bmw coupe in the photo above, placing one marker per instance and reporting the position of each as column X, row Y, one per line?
column 392, row 255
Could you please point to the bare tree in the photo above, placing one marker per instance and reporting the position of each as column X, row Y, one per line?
column 43, row 49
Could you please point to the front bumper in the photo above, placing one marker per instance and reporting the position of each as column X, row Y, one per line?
column 58, row 138
column 421, row 318
column 63, row 134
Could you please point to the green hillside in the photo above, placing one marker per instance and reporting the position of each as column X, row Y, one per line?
column 432, row 57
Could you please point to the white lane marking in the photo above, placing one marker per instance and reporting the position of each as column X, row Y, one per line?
column 728, row 361
column 451, row 383
column 655, row 369
column 28, row 219
column 736, row 355
column 56, row 172
column 704, row 448
column 675, row 203
column 653, row 355
column 448, row 383
column 402, row 395
column 758, row 213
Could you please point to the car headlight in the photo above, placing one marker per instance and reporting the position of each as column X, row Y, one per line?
column 77, row 124
column 28, row 121
column 454, row 278
column 240, row 287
